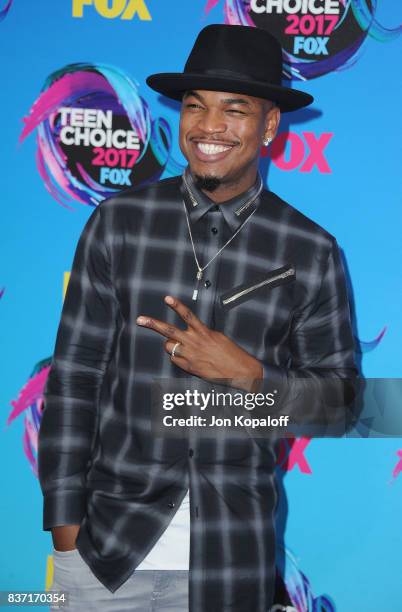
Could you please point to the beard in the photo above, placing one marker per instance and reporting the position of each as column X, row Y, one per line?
column 207, row 183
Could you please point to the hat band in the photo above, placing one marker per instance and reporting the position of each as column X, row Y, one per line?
column 224, row 72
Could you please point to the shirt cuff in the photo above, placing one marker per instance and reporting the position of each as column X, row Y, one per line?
column 63, row 508
column 273, row 379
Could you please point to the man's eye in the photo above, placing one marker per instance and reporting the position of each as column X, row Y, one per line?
column 233, row 110
column 193, row 105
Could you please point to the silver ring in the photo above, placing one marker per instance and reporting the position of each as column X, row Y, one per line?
column 172, row 354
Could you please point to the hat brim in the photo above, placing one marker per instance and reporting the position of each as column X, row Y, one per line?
column 174, row 84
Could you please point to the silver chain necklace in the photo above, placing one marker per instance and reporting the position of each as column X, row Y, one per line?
column 200, row 269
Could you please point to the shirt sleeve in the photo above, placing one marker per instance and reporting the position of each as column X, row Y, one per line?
column 82, row 349
column 319, row 387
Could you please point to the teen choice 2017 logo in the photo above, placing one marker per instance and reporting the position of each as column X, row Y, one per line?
column 317, row 36
column 95, row 135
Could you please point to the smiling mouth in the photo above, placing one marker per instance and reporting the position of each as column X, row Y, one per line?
column 208, row 151
column 212, row 149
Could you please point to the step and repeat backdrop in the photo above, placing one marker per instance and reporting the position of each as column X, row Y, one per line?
column 79, row 124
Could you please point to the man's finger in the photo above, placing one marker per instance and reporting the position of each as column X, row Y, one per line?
column 185, row 313
column 179, row 351
column 163, row 328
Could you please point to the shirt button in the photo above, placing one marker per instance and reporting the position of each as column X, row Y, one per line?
column 191, row 452
column 171, row 505
column 207, row 284
column 214, row 230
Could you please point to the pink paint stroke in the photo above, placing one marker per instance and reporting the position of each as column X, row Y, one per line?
column 210, row 5
column 50, row 100
column 30, row 393
column 29, row 441
column 398, row 467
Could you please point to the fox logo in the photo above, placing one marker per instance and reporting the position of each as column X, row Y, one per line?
column 125, row 9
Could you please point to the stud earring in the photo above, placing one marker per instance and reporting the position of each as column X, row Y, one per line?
column 266, row 141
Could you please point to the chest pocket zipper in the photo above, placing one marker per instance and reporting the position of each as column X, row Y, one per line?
column 287, row 274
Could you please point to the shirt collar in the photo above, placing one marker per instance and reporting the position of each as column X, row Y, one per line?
column 235, row 211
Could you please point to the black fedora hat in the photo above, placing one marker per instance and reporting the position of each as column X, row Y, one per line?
column 237, row 59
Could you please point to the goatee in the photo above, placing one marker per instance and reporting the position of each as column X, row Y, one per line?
column 207, row 183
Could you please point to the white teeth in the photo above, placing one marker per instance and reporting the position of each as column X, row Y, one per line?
column 211, row 149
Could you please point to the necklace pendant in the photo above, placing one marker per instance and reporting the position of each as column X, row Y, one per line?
column 195, row 292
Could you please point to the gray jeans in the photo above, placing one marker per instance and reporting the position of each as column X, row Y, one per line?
column 144, row 591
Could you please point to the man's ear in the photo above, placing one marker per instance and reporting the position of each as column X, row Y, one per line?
column 272, row 120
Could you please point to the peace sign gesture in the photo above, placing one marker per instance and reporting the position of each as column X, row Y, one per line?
column 204, row 352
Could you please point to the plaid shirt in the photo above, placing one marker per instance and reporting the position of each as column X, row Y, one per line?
column 100, row 466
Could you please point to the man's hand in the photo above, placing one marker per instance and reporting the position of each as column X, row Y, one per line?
column 204, row 352
column 64, row 537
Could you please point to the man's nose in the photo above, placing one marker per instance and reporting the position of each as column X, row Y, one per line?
column 212, row 122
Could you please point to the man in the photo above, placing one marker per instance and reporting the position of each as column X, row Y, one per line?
column 209, row 277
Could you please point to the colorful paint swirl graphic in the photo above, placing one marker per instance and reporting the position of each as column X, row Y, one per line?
column 238, row 12
column 104, row 88
column 364, row 346
column 299, row 588
column 5, row 9
column 30, row 402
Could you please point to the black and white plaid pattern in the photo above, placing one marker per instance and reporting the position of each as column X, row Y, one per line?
column 99, row 464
